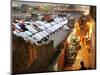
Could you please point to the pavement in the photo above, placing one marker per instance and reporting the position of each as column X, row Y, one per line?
column 59, row 36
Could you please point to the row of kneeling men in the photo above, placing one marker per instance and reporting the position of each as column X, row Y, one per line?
column 38, row 30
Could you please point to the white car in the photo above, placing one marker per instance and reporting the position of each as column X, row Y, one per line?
column 55, row 27
column 56, row 20
column 50, row 30
column 48, row 25
column 31, row 29
column 28, row 33
column 21, row 34
column 64, row 18
column 30, row 39
column 65, row 27
column 40, row 23
column 41, row 28
column 60, row 19
column 65, row 22
column 37, row 37
column 46, row 33
column 59, row 24
column 52, row 23
column 43, row 34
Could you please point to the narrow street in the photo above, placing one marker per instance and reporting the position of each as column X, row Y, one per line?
column 86, row 54
column 83, row 55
